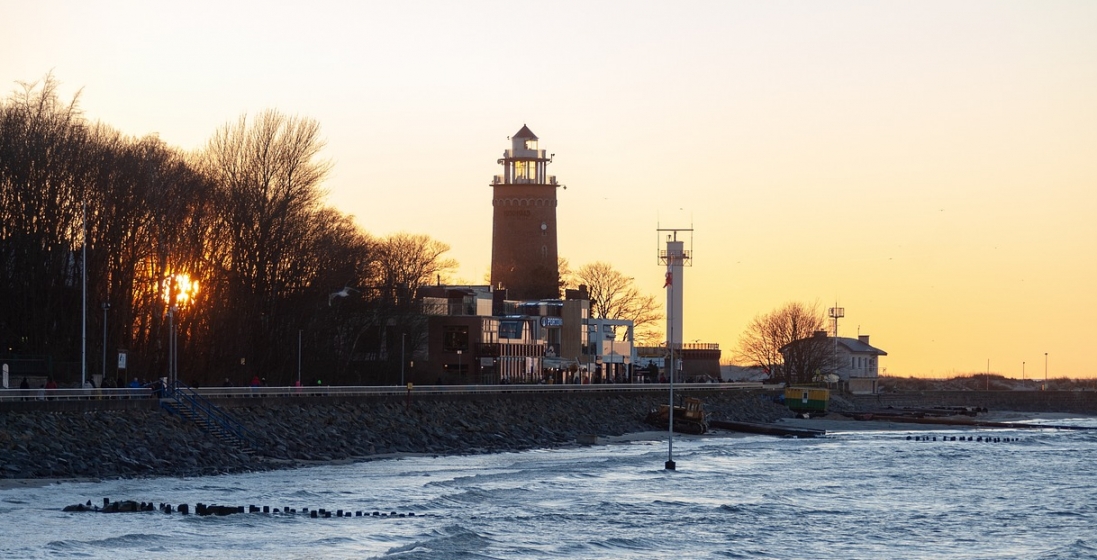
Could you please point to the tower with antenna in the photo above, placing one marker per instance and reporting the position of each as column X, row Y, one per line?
column 676, row 256
column 836, row 313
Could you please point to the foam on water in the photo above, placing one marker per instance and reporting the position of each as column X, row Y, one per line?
column 850, row 495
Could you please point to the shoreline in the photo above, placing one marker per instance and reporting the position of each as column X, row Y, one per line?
column 832, row 423
column 836, row 423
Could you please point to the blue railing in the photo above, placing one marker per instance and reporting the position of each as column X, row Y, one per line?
column 201, row 407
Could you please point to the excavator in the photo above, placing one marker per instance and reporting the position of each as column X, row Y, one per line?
column 688, row 419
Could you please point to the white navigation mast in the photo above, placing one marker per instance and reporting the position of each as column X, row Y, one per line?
column 676, row 257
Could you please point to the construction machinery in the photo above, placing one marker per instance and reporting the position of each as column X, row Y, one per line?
column 688, row 419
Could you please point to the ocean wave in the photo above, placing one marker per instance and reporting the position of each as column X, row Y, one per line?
column 452, row 541
column 1079, row 549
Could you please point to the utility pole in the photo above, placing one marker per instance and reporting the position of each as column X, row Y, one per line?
column 106, row 306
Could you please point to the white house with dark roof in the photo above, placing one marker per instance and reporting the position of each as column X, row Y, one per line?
column 859, row 364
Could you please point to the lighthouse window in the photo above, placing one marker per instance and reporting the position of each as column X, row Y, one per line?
column 525, row 170
column 531, row 144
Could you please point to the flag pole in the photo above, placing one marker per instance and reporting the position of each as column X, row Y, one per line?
column 669, row 283
column 84, row 300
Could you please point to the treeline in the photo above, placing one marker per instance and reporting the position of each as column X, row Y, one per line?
column 236, row 235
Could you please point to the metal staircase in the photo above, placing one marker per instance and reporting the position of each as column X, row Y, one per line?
column 186, row 402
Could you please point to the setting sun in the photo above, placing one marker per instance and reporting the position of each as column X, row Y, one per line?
column 180, row 288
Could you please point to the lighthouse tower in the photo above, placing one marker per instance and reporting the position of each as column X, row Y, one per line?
column 523, row 236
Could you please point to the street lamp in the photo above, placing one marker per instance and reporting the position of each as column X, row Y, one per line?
column 1045, row 370
column 173, row 363
column 458, row 362
column 179, row 289
column 106, row 306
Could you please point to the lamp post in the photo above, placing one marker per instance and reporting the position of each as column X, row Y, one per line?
column 403, row 339
column 172, row 364
column 179, row 289
column 1045, row 370
column 106, row 306
column 1022, row 374
column 458, row 362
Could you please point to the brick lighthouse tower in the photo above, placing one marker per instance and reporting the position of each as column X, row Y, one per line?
column 523, row 236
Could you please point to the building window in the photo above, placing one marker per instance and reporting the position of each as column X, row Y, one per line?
column 455, row 337
column 510, row 330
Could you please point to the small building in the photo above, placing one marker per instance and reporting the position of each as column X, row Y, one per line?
column 859, row 364
column 694, row 362
column 467, row 344
column 855, row 361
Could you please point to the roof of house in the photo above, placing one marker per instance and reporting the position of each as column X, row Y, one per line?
column 525, row 133
column 854, row 345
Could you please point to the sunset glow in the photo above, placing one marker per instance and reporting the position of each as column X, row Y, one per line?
column 179, row 289
column 929, row 166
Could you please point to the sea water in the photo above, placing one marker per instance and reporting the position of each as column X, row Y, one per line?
column 856, row 494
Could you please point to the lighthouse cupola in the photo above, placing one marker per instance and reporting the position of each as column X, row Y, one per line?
column 524, row 163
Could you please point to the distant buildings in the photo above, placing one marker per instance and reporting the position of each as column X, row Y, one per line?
column 517, row 329
column 476, row 336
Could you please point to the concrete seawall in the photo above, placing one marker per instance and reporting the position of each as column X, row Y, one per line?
column 113, row 438
column 1074, row 402
column 97, row 439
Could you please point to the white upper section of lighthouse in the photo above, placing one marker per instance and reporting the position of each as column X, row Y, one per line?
column 524, row 163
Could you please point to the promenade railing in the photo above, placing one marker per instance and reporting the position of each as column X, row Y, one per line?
column 371, row 390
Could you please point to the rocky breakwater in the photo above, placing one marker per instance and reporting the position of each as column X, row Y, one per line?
column 109, row 443
column 100, row 444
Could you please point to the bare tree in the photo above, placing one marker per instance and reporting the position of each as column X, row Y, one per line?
column 566, row 275
column 404, row 262
column 791, row 329
column 268, row 173
column 615, row 296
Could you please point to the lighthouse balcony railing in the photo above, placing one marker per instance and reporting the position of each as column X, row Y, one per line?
column 523, row 153
column 664, row 255
column 500, row 180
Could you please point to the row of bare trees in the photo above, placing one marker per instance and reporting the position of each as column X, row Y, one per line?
column 243, row 221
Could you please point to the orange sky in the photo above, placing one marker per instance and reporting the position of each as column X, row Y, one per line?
column 931, row 166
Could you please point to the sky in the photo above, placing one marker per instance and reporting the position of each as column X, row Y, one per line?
column 931, row 167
